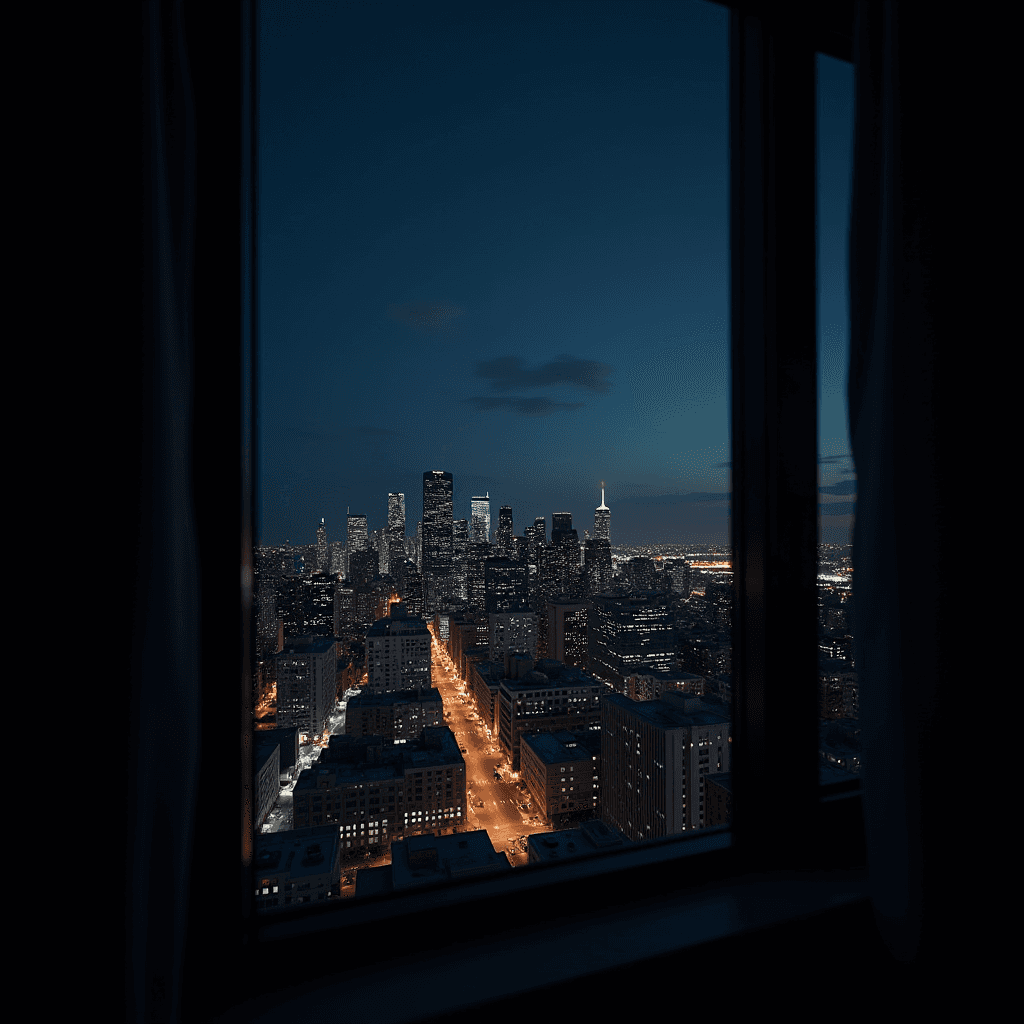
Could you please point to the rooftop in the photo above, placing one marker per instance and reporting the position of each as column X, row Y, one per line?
column 675, row 710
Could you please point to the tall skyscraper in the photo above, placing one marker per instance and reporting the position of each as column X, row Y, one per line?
column 396, row 534
column 561, row 524
column 503, row 539
column 321, row 547
column 438, row 525
column 396, row 516
column 358, row 539
column 603, row 521
column 480, row 515
column 540, row 530
column 460, row 556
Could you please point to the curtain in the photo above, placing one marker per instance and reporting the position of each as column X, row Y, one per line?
column 906, row 324
column 164, row 724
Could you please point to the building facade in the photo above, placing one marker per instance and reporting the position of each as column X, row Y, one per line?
column 397, row 717
column 306, row 685
column 550, row 697
column 374, row 794
column 630, row 633
column 563, row 773
column 654, row 758
column 398, row 653
column 480, row 519
column 438, row 525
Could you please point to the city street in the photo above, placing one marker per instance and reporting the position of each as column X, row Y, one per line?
column 494, row 804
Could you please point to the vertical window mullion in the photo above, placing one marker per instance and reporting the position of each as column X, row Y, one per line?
column 774, row 436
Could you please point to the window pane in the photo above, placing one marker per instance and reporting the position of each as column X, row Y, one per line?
column 494, row 510
column 837, row 674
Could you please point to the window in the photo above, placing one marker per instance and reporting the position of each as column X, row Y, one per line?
column 757, row 455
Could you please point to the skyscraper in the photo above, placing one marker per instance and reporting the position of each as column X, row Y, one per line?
column 603, row 521
column 460, row 555
column 396, row 516
column 561, row 524
column 503, row 539
column 321, row 547
column 396, row 534
column 480, row 515
column 438, row 524
column 358, row 539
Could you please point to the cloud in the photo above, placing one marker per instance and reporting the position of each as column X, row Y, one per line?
column 837, row 508
column 524, row 406
column 510, row 373
column 432, row 317
column 843, row 487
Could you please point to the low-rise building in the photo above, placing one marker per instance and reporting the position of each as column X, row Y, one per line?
column 430, row 859
column 572, row 843
column 550, row 697
column 375, row 793
column 302, row 865
column 483, row 681
column 563, row 773
column 288, row 742
column 267, row 777
column 397, row 717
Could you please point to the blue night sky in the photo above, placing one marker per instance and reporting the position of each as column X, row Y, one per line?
column 494, row 241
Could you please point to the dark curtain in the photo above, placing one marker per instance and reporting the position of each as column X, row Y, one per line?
column 909, row 252
column 163, row 765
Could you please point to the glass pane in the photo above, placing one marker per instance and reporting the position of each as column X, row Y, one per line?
column 837, row 672
column 494, row 513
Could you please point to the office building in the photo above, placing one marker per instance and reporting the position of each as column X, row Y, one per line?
column 654, row 757
column 306, row 685
column 629, row 633
column 357, row 538
column 545, row 697
column 477, row 555
column 374, row 793
column 399, row 716
column 398, row 653
column 513, row 632
column 438, row 523
column 480, row 519
column 395, row 535
column 301, row 865
column 561, row 524
column 506, row 585
column 562, row 770
column 568, row 632
column 504, row 538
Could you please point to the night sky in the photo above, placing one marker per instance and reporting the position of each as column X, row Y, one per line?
column 494, row 241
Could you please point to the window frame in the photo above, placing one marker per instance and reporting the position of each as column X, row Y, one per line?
column 772, row 113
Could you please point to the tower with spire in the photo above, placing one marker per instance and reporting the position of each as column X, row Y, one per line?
column 602, row 520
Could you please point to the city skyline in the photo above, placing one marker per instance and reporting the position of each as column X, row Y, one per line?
column 523, row 283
